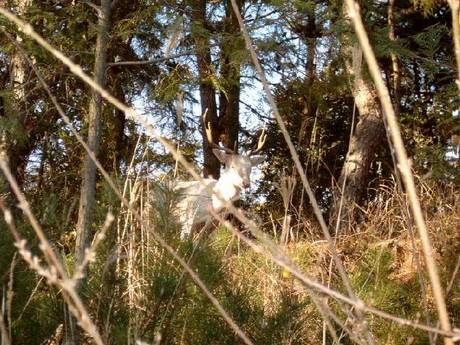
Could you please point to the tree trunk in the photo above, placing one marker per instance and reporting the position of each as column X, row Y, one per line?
column 309, row 34
column 211, row 165
column 365, row 143
column 88, row 187
column 395, row 66
column 229, row 101
column 119, row 142
column 16, row 144
column 115, row 145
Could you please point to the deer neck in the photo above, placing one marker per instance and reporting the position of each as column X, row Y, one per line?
column 227, row 187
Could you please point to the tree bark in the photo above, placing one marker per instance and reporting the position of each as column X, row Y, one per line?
column 16, row 144
column 229, row 101
column 211, row 165
column 310, row 70
column 366, row 141
column 88, row 187
column 396, row 70
column 115, row 144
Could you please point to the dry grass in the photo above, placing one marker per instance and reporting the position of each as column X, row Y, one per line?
column 150, row 296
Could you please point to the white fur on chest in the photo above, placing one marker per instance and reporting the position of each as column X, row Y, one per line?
column 228, row 188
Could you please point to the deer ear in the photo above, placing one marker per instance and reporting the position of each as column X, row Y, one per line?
column 221, row 156
column 256, row 160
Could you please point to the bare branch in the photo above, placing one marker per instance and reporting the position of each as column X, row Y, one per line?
column 208, row 130
column 260, row 143
column 90, row 253
column 455, row 8
column 58, row 273
column 4, row 331
column 149, row 62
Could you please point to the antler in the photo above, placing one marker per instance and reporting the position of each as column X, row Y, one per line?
column 208, row 130
column 260, row 143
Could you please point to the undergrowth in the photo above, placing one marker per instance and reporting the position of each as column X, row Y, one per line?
column 136, row 291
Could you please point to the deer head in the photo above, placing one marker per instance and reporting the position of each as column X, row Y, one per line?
column 237, row 166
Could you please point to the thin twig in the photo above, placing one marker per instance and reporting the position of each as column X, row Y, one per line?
column 449, row 287
column 29, row 300
column 149, row 62
column 62, row 279
column 5, row 337
column 9, row 295
column 90, row 253
column 455, row 8
column 342, row 195
column 454, row 275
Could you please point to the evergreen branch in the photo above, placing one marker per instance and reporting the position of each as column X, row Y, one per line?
column 148, row 62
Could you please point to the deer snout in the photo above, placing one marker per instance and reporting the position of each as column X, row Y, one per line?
column 246, row 184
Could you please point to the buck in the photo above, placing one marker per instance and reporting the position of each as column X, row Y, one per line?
column 199, row 200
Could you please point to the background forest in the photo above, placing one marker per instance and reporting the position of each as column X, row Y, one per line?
column 331, row 246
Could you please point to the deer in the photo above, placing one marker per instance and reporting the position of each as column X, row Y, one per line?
column 199, row 200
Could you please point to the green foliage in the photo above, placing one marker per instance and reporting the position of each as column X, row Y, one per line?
column 433, row 161
column 10, row 124
column 170, row 84
column 430, row 39
column 428, row 6
column 6, row 248
column 42, row 315
column 375, row 279
column 319, row 135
